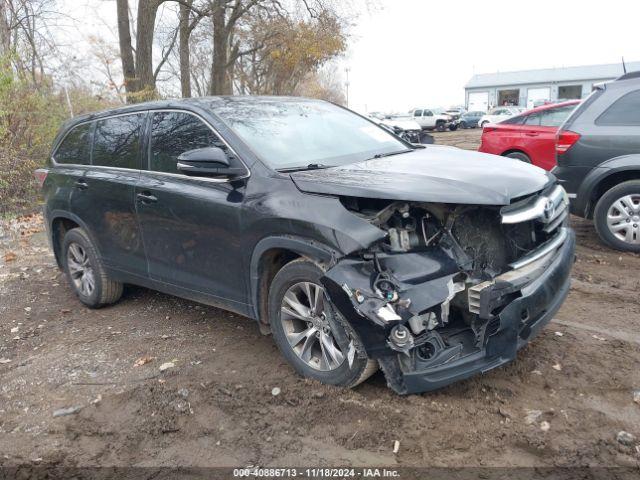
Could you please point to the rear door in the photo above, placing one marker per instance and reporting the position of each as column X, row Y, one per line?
column 540, row 135
column 190, row 225
column 69, row 161
column 104, row 197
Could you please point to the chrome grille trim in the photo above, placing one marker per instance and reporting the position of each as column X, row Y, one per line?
column 547, row 247
column 545, row 209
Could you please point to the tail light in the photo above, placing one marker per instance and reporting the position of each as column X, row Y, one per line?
column 41, row 176
column 565, row 139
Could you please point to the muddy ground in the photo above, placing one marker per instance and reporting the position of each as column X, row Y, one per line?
column 215, row 405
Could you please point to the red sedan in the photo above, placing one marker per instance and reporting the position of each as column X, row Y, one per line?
column 530, row 136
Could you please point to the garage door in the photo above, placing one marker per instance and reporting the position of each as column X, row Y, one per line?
column 538, row 95
column 478, row 101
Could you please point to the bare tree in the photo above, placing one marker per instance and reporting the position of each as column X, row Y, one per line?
column 24, row 35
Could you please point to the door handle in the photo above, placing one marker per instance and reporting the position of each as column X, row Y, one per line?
column 146, row 198
column 531, row 134
column 81, row 185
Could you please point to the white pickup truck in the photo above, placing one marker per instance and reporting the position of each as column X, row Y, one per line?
column 431, row 121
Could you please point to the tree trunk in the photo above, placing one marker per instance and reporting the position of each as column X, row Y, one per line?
column 5, row 31
column 219, row 84
column 126, row 51
column 147, row 10
column 185, row 60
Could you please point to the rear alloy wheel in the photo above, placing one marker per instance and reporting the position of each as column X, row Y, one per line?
column 307, row 332
column 441, row 127
column 617, row 216
column 523, row 157
column 85, row 272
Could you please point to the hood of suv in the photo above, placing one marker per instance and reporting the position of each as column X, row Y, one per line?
column 432, row 174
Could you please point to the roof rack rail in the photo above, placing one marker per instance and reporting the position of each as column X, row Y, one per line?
column 628, row 76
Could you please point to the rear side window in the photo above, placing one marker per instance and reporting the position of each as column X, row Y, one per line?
column 117, row 141
column 76, row 146
column 172, row 134
column 554, row 117
column 533, row 119
column 514, row 120
column 624, row 111
column 417, row 113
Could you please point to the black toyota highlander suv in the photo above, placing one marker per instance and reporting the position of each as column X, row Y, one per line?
column 598, row 156
column 352, row 247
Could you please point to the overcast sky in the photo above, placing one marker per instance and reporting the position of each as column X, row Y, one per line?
column 419, row 52
column 406, row 53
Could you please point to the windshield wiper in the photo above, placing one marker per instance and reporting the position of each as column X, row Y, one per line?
column 311, row 166
column 380, row 155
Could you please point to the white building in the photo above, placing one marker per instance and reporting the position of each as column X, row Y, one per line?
column 529, row 88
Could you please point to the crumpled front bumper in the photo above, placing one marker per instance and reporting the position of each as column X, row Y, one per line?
column 530, row 306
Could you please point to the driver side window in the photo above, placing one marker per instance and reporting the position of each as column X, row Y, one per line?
column 172, row 134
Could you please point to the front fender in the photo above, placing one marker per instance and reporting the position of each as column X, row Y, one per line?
column 300, row 245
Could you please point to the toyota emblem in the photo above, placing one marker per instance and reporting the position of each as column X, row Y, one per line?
column 549, row 210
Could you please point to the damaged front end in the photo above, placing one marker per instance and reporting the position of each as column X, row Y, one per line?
column 453, row 290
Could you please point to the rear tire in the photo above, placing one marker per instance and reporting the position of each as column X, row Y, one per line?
column 85, row 273
column 523, row 157
column 453, row 127
column 310, row 356
column 617, row 228
column 463, row 125
column 441, row 127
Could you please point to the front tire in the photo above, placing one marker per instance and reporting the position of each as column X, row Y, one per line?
column 441, row 127
column 617, row 216
column 463, row 125
column 307, row 332
column 85, row 273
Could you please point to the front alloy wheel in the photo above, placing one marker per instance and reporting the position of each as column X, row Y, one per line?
column 310, row 333
column 307, row 328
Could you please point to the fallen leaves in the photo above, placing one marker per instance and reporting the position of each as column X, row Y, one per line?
column 167, row 366
column 10, row 257
column 143, row 361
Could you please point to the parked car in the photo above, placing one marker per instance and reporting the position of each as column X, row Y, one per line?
column 499, row 114
column 470, row 119
column 405, row 128
column 455, row 112
column 429, row 120
column 598, row 155
column 530, row 136
column 352, row 247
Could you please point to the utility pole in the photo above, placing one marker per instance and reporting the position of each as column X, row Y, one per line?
column 347, row 84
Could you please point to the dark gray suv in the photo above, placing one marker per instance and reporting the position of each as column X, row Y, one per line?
column 351, row 246
column 598, row 156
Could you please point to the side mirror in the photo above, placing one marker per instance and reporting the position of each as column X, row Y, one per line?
column 207, row 162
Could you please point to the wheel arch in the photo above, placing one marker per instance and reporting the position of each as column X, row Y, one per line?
column 606, row 176
column 269, row 256
column 60, row 222
column 515, row 150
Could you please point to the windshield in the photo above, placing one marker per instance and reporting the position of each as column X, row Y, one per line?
column 290, row 133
